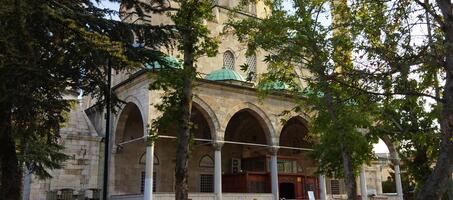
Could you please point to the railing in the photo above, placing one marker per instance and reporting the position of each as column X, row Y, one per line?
column 198, row 196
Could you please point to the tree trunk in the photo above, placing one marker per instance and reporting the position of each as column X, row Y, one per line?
column 351, row 185
column 450, row 188
column 182, row 151
column 11, row 174
column 437, row 184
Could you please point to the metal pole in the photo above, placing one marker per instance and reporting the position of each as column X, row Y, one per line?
column 107, row 131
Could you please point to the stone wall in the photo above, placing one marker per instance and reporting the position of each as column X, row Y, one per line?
column 81, row 170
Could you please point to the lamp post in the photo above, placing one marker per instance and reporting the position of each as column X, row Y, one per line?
column 107, row 130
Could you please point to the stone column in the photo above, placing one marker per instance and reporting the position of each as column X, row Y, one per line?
column 218, row 170
column 399, row 186
column 322, row 187
column 363, row 189
column 149, row 164
column 274, row 173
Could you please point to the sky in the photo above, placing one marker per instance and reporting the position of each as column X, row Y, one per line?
column 378, row 148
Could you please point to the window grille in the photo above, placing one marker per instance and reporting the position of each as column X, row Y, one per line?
column 206, row 183
column 142, row 184
column 251, row 71
column 228, row 60
column 335, row 186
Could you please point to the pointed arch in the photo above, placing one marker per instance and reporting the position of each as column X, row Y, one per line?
column 128, row 110
column 206, row 161
column 208, row 114
column 142, row 159
column 259, row 115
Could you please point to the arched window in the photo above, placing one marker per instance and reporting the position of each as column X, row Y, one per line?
column 142, row 161
column 251, row 70
column 228, row 60
column 206, row 162
column 206, row 179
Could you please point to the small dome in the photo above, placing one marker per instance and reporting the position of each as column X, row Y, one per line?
column 169, row 60
column 308, row 91
column 224, row 75
column 273, row 85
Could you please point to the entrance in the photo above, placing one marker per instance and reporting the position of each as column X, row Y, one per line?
column 286, row 191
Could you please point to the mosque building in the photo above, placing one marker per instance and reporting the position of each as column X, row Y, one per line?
column 241, row 150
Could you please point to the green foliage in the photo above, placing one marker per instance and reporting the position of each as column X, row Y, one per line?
column 189, row 30
column 304, row 52
column 408, row 74
column 193, row 39
column 415, row 131
column 49, row 49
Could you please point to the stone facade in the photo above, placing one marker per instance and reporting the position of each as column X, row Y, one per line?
column 81, row 170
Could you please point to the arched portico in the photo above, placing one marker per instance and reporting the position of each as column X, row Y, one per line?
column 247, row 141
column 204, row 129
column 208, row 114
column 261, row 117
column 126, row 159
column 296, row 170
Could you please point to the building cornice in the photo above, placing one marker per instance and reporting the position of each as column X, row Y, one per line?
column 219, row 84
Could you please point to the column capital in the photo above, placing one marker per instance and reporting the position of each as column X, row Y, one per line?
column 217, row 145
column 149, row 139
column 116, row 149
column 274, row 150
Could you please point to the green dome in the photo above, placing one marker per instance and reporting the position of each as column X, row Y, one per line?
column 274, row 85
column 309, row 91
column 169, row 60
column 224, row 75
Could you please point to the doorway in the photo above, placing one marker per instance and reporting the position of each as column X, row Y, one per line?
column 287, row 190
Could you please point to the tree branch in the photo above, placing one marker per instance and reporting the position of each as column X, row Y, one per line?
column 429, row 9
column 406, row 93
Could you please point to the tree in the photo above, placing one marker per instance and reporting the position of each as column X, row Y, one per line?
column 47, row 48
column 386, row 60
column 396, row 58
column 193, row 39
column 318, row 55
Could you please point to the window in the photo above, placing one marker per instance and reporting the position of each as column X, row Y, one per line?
column 251, row 71
column 206, row 183
column 335, row 186
column 256, row 165
column 142, row 161
column 142, row 184
column 288, row 166
column 228, row 60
